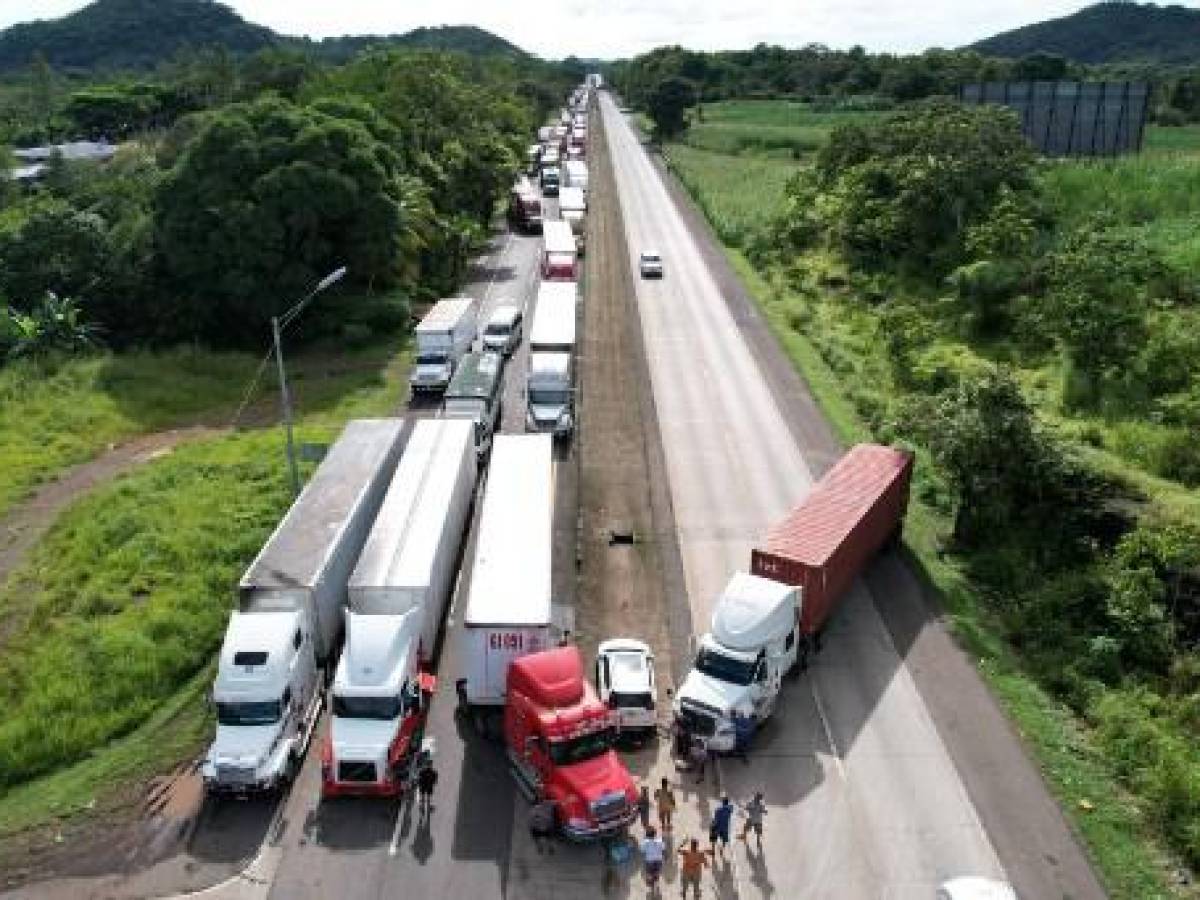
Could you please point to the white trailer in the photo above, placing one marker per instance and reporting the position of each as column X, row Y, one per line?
column 575, row 174
column 443, row 336
column 411, row 556
column 554, row 318
column 306, row 563
column 509, row 607
column 572, row 206
column 559, row 251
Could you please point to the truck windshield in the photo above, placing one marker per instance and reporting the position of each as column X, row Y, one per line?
column 499, row 328
column 384, row 708
column 547, row 396
column 430, row 359
column 724, row 668
column 265, row 712
column 575, row 750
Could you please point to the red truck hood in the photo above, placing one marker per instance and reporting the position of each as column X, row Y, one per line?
column 593, row 778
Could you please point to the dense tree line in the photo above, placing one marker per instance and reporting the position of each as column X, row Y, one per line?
column 248, row 180
column 855, row 78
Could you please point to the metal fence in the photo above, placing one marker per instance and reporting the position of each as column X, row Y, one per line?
column 1072, row 118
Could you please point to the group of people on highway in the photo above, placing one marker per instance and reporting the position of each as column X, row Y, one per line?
column 692, row 857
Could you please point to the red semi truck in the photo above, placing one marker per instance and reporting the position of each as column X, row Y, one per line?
column 560, row 739
column 767, row 621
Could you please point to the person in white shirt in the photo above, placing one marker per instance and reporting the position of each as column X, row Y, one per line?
column 652, row 857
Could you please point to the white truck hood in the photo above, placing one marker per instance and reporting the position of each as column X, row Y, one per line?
column 365, row 740
column 547, row 412
column 243, row 744
column 719, row 695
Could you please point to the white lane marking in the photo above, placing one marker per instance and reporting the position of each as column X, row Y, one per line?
column 833, row 747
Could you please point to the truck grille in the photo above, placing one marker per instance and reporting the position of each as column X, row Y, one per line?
column 235, row 774
column 356, row 771
column 609, row 807
column 698, row 722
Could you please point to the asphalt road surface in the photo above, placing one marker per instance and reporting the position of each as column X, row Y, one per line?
column 867, row 801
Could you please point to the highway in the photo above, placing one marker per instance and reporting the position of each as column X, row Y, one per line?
column 866, row 799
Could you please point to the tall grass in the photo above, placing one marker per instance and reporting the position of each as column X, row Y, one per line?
column 1137, row 189
column 127, row 597
column 785, row 129
column 736, row 199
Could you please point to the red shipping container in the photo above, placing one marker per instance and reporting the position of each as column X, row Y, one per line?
column 825, row 542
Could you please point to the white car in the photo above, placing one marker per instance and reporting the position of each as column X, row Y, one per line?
column 650, row 264
column 502, row 333
column 974, row 888
column 625, row 681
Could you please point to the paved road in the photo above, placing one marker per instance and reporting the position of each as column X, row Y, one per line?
column 871, row 803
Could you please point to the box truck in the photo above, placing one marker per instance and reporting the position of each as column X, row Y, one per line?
column 475, row 394
column 398, row 595
column 560, row 738
column 285, row 633
column 443, row 336
column 549, row 379
column 575, row 174
column 509, row 610
column 572, row 206
column 768, row 621
column 559, row 252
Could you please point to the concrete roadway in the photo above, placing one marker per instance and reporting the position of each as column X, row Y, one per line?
column 865, row 799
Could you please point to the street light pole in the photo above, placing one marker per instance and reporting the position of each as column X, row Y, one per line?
column 278, row 323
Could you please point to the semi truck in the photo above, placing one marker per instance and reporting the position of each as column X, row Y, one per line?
column 509, row 611
column 559, row 253
column 398, row 595
column 572, row 206
column 768, row 621
column 443, row 336
column 284, row 635
column 575, row 174
column 560, row 740
column 549, row 380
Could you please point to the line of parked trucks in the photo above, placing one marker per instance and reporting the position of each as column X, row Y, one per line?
column 344, row 604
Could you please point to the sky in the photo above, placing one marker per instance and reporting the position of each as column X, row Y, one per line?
column 611, row 29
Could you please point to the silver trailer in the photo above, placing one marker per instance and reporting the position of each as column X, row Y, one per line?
column 306, row 563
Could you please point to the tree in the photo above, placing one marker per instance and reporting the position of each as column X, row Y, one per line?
column 909, row 189
column 268, row 198
column 999, row 462
column 58, row 248
column 1040, row 67
column 1100, row 282
column 41, row 88
column 667, row 105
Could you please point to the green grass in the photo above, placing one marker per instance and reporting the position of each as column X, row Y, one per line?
column 736, row 198
column 779, row 128
column 121, row 607
column 1160, row 140
column 57, row 414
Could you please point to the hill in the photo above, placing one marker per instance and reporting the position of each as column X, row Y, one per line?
column 1108, row 32
column 140, row 34
column 130, row 34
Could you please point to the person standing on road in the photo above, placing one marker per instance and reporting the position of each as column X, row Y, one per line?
column 541, row 825
column 652, row 858
column 755, row 810
column 664, row 797
column 718, row 829
column 643, row 808
column 691, row 866
column 426, row 782
column 743, row 731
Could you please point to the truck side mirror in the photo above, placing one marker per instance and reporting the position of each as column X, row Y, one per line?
column 530, row 744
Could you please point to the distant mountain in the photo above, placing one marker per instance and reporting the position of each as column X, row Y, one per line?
column 1108, row 32
column 139, row 34
column 459, row 38
column 130, row 34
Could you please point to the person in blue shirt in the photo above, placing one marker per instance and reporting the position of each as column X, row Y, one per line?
column 743, row 732
column 718, row 829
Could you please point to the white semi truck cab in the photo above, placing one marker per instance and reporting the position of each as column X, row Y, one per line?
column 267, row 700
column 550, row 391
column 741, row 661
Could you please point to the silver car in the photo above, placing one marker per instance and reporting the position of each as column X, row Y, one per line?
column 650, row 264
column 502, row 333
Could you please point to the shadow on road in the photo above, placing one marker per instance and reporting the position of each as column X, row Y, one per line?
column 352, row 823
column 230, row 829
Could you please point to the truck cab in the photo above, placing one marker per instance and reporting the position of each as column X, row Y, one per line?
column 550, row 180
column 267, row 693
column 377, row 707
column 550, row 395
column 474, row 393
column 740, row 663
column 560, row 741
column 442, row 337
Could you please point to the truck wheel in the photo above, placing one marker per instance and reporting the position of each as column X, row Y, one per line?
column 896, row 538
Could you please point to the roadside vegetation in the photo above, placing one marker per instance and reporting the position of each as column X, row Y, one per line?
column 136, row 296
column 1030, row 329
